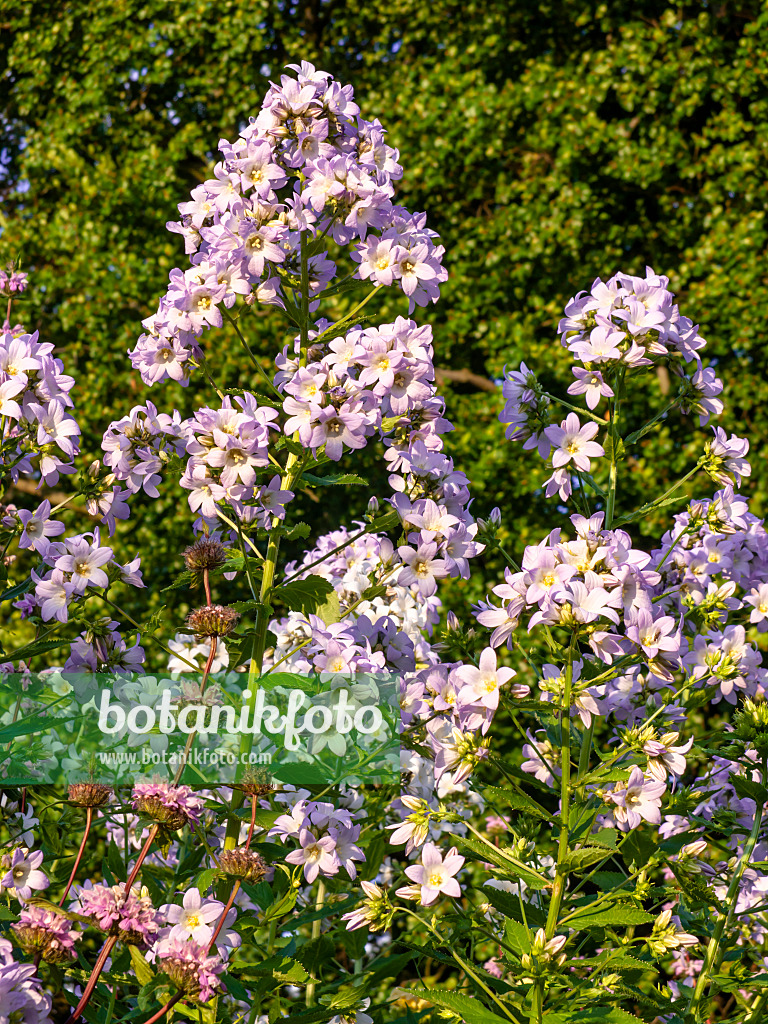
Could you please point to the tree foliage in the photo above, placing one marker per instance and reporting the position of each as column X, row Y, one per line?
column 548, row 143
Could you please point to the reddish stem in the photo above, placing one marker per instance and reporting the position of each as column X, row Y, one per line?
column 98, row 967
column 222, row 919
column 207, row 585
column 164, row 1009
column 109, row 945
column 88, row 821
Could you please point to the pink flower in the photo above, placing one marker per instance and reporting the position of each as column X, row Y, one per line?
column 573, row 443
column 316, row 855
column 435, row 875
column 638, row 800
column 24, row 874
column 481, row 685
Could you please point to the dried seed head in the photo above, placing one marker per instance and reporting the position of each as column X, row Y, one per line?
column 89, row 794
column 172, row 818
column 183, row 974
column 213, row 620
column 242, row 863
column 256, row 782
column 205, row 553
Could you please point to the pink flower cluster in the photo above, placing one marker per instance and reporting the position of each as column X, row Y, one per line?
column 308, row 166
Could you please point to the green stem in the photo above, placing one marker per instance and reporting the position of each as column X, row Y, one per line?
column 252, row 357
column 316, row 927
column 615, row 439
column 575, row 408
column 715, row 950
column 586, row 748
column 558, row 887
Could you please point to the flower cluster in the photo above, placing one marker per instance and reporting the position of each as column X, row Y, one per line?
column 307, row 167
column 326, row 836
column 129, row 916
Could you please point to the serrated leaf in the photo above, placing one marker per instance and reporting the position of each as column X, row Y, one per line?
column 205, row 880
column 614, row 448
column 509, row 905
column 652, row 506
column 334, row 480
column 315, row 953
column 517, row 801
column 495, row 855
column 578, row 860
column 34, row 648
column 607, row 837
column 299, row 531
column 248, row 606
column 470, row 1010
column 304, row 595
column 749, row 790
column 610, row 917
column 517, row 937
column 330, row 610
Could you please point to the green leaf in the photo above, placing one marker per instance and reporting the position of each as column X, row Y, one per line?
column 517, row 937
column 304, row 595
column 607, row 880
column 330, row 610
column 652, row 506
column 17, row 591
column 334, row 480
column 24, row 726
column 205, row 880
column 509, row 905
column 749, row 790
column 470, row 1010
column 281, row 907
column 299, row 531
column 248, row 606
column 607, row 837
column 637, row 849
column 610, row 917
column 517, row 802
column 141, row 968
column 602, row 1015
column 578, row 860
column 36, row 647
column 316, row 952
column 609, row 445
column 390, row 967
column 495, row 855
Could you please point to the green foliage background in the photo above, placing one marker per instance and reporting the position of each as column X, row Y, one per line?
column 549, row 143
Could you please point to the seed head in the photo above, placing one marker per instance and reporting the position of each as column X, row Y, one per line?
column 213, row 620
column 89, row 794
column 242, row 863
